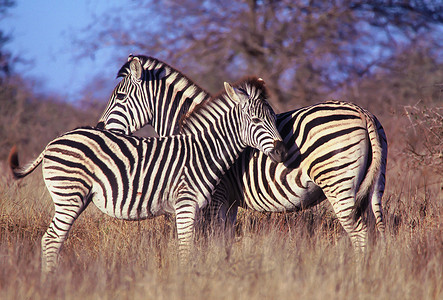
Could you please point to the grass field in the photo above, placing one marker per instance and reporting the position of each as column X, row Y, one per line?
column 303, row 255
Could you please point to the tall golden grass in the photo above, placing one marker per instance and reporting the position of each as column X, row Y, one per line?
column 304, row 255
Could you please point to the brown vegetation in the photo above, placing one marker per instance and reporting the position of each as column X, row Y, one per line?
column 31, row 121
column 274, row 256
column 304, row 50
column 427, row 123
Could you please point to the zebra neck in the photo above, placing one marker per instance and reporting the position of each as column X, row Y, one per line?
column 173, row 95
column 223, row 143
column 208, row 113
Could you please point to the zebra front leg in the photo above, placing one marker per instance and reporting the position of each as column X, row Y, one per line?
column 217, row 210
column 223, row 214
column 185, row 212
column 229, row 227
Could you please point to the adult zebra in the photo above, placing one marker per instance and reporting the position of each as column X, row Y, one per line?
column 336, row 150
column 136, row 178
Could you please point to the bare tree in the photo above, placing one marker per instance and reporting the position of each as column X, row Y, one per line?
column 5, row 56
column 427, row 124
column 303, row 49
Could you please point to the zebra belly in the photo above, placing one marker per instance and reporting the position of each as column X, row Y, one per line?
column 139, row 207
column 284, row 190
column 139, row 197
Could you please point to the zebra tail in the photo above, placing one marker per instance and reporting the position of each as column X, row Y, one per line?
column 373, row 171
column 20, row 172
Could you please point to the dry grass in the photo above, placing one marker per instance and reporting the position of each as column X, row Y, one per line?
column 427, row 124
column 291, row 256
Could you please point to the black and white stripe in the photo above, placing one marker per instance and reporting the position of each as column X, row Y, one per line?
column 135, row 178
column 337, row 150
column 154, row 94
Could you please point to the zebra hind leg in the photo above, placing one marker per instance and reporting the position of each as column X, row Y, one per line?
column 377, row 196
column 343, row 204
column 381, row 181
column 67, row 211
column 377, row 208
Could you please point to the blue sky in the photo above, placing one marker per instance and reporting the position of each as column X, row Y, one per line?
column 43, row 32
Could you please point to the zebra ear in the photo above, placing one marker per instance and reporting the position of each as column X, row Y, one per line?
column 232, row 93
column 136, row 68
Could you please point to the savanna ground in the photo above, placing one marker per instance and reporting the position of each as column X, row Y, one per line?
column 274, row 256
column 302, row 255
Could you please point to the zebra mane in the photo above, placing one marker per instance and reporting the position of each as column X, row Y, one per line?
column 148, row 62
column 252, row 86
column 152, row 63
column 164, row 70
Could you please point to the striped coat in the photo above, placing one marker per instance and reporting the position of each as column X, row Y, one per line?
column 135, row 178
column 337, row 150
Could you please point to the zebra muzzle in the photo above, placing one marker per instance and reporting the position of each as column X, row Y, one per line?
column 278, row 154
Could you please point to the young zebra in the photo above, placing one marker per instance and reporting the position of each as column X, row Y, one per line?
column 336, row 150
column 136, row 178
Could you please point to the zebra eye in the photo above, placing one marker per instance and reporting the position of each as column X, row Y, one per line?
column 256, row 120
column 121, row 96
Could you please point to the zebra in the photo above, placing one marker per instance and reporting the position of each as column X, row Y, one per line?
column 156, row 81
column 135, row 178
column 336, row 150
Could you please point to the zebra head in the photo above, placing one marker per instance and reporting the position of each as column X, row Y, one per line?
column 258, row 127
column 150, row 93
column 125, row 99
